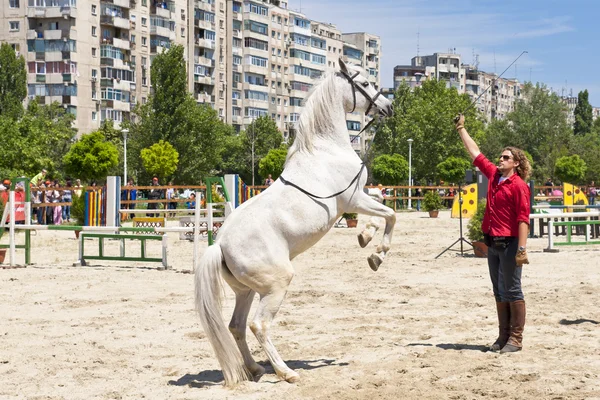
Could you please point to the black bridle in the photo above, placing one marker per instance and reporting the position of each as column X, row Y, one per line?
column 355, row 86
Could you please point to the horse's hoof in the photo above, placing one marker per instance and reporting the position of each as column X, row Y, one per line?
column 364, row 239
column 292, row 377
column 257, row 372
column 374, row 261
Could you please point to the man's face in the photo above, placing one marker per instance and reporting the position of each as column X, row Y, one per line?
column 506, row 161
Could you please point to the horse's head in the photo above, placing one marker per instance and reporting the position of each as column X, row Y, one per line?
column 359, row 94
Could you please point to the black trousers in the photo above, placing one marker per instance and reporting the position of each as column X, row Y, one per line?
column 504, row 273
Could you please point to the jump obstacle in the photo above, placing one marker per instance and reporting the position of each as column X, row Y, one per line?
column 112, row 230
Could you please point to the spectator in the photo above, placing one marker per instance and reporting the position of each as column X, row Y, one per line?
column 418, row 194
column 67, row 197
column 592, row 193
column 269, row 180
column 78, row 188
column 39, row 178
column 549, row 183
column 154, row 194
column 171, row 195
column 57, row 198
column 48, row 199
column 37, row 197
column 190, row 205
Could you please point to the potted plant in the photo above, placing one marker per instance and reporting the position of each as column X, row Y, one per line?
column 78, row 210
column 474, row 232
column 432, row 202
column 351, row 219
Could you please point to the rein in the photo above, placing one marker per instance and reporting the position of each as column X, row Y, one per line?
column 355, row 87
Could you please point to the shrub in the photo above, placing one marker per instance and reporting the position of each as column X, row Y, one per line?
column 78, row 207
column 474, row 232
column 432, row 201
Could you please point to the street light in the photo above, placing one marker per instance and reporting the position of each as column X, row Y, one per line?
column 409, row 172
column 125, row 132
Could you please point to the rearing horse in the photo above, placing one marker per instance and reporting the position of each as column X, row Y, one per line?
column 323, row 178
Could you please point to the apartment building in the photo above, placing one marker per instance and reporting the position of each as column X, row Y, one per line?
column 595, row 112
column 245, row 59
column 495, row 103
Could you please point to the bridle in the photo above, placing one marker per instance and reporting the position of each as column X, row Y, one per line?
column 355, row 86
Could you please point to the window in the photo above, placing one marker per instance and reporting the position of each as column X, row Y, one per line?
column 145, row 3
column 353, row 125
column 132, row 39
column 256, row 44
column 257, row 27
column 94, row 73
column 256, row 95
column 144, row 41
column 144, row 83
column 93, row 115
column 182, row 32
column 258, row 61
column 93, row 52
column 93, row 31
column 144, row 21
column 14, row 26
column 144, row 61
column 93, row 9
column 144, row 100
column 13, row 3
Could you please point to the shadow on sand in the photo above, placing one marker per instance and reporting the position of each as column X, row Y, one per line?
column 215, row 377
column 577, row 321
column 453, row 346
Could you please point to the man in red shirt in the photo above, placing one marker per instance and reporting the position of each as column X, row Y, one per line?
column 506, row 227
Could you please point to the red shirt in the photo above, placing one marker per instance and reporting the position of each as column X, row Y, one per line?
column 507, row 202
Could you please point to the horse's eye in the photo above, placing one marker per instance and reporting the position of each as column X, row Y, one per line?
column 365, row 84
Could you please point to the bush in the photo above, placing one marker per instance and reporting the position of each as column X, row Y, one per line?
column 78, row 208
column 432, row 201
column 350, row 215
column 474, row 232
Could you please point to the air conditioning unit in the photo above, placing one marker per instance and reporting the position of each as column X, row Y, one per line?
column 93, row 79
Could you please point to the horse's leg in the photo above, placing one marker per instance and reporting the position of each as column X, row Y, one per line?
column 237, row 326
column 365, row 237
column 369, row 206
column 271, row 298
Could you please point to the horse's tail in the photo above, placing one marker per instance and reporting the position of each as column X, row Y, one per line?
column 209, row 288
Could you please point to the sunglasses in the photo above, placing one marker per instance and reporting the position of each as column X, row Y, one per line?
column 505, row 157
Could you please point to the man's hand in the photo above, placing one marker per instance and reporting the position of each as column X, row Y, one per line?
column 459, row 121
column 521, row 258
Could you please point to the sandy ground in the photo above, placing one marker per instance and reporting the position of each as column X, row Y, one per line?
column 416, row 329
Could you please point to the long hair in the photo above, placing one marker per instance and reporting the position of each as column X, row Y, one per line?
column 524, row 168
column 316, row 117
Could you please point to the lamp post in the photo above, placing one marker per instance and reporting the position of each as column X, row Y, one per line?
column 125, row 132
column 409, row 172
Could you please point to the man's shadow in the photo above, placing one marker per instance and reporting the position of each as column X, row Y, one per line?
column 453, row 346
column 577, row 321
column 215, row 377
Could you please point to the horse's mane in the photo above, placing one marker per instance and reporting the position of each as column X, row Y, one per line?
column 315, row 119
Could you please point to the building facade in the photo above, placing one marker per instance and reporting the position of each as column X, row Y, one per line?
column 245, row 59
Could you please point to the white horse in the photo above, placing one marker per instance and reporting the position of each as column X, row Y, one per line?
column 256, row 244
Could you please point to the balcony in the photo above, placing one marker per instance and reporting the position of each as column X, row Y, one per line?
column 162, row 31
column 254, row 69
column 237, row 51
column 237, row 34
column 203, row 97
column 117, row 22
column 121, row 43
column 237, row 119
column 204, row 80
column 207, row 62
column 202, row 24
column 201, row 5
column 301, row 31
column 120, row 3
column 161, row 12
column 207, row 44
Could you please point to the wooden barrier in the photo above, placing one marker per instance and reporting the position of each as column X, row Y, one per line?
column 570, row 242
column 123, row 257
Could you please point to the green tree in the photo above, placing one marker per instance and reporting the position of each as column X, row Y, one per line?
column 570, row 169
column 453, row 170
column 537, row 125
column 258, row 139
column 272, row 163
column 588, row 148
column 426, row 115
column 390, row 169
column 13, row 82
column 38, row 140
column 160, row 160
column 171, row 114
column 91, row 158
column 583, row 114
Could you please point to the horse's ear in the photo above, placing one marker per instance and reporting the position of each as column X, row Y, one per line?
column 343, row 66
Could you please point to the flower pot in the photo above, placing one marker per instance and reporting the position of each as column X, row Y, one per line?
column 2, row 255
column 434, row 213
column 351, row 223
column 480, row 249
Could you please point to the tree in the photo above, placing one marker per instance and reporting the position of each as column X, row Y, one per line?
column 160, row 160
column 583, row 114
column 390, row 169
column 570, row 169
column 91, row 158
column 171, row 114
column 453, row 170
column 13, row 82
column 259, row 138
column 588, row 148
column 537, row 125
column 426, row 115
column 272, row 164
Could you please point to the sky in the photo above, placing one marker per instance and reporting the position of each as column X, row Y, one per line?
column 562, row 37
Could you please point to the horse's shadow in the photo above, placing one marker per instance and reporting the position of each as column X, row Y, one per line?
column 454, row 346
column 215, row 377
